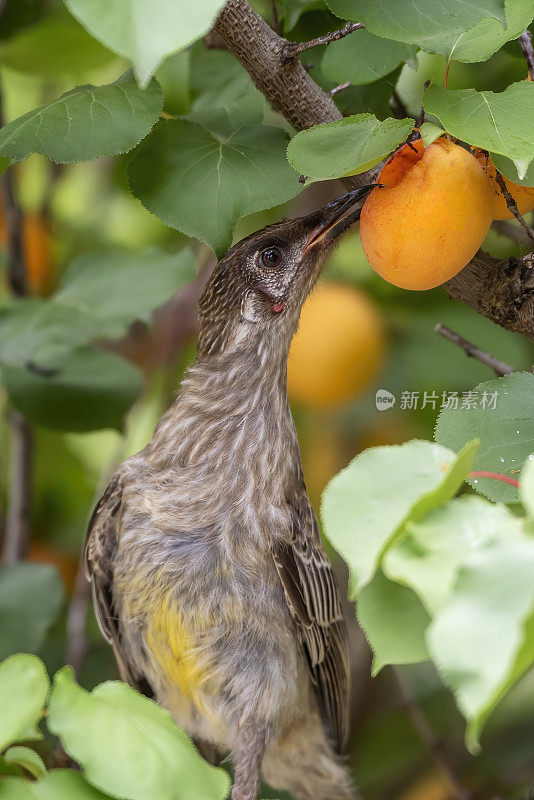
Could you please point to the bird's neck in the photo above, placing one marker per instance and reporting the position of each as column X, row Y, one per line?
column 232, row 413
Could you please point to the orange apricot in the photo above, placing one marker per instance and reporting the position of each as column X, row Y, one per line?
column 430, row 218
column 523, row 195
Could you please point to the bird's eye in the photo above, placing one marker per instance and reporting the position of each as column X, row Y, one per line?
column 271, row 257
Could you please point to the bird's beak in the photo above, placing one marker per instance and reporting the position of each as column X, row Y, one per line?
column 332, row 222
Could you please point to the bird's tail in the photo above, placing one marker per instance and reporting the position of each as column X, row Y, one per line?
column 304, row 764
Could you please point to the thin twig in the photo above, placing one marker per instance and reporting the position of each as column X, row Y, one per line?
column 518, row 235
column 276, row 19
column 499, row 367
column 339, row 88
column 12, row 214
column 415, row 133
column 17, row 525
column 76, row 621
column 398, row 106
column 525, row 40
column 432, row 742
column 512, row 205
column 76, row 638
column 294, row 49
column 212, row 41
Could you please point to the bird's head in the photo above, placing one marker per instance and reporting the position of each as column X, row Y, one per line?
column 257, row 289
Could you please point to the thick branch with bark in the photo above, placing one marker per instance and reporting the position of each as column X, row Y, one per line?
column 287, row 86
column 503, row 291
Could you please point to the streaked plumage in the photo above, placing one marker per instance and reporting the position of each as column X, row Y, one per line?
column 209, row 577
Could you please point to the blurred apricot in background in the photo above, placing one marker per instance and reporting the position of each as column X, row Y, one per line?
column 338, row 349
column 38, row 254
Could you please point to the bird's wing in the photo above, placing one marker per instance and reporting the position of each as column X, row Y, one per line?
column 312, row 596
column 100, row 548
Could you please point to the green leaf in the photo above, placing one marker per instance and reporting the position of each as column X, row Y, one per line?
column 202, row 182
column 506, row 432
column 225, row 97
column 31, row 596
column 437, row 30
column 152, row 757
column 55, row 46
column 23, row 691
column 489, row 35
column 35, row 331
column 429, row 558
column 352, row 145
column 394, row 622
column 99, row 296
column 145, row 34
column 430, row 132
column 363, row 58
column 85, row 123
column 173, row 77
column 526, row 491
column 414, row 477
column 83, row 389
column 497, row 121
column 217, row 75
column 60, row 784
column 509, row 169
column 120, row 287
column 290, row 11
column 219, row 82
column 228, row 106
column 478, row 660
column 26, row 758
column 373, row 98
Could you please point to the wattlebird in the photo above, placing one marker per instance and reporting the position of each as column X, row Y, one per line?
column 208, row 574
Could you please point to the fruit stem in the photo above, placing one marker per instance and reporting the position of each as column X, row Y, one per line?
column 495, row 476
column 447, row 72
column 512, row 205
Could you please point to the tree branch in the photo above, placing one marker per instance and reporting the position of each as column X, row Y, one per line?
column 287, row 86
column 76, row 621
column 512, row 205
column 17, row 526
column 506, row 228
column 503, row 291
column 433, row 744
column 13, row 221
column 339, row 88
column 471, row 350
column 293, row 49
